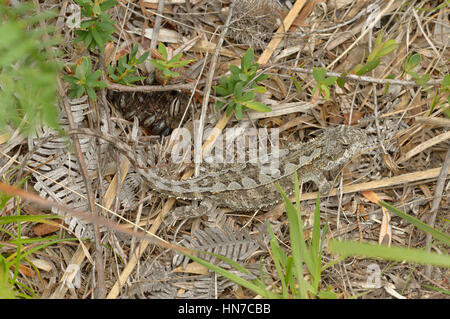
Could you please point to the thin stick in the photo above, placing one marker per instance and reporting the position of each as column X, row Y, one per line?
column 207, row 90
column 99, row 265
column 435, row 205
column 383, row 183
column 360, row 78
column 157, row 25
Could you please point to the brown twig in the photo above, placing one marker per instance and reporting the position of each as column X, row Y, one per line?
column 207, row 91
column 361, row 78
column 91, row 199
column 90, row 196
column 96, row 220
column 436, row 201
column 153, row 88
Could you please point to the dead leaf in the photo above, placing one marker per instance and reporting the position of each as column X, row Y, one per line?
column 45, row 229
column 371, row 196
column 356, row 116
column 306, row 11
column 192, row 268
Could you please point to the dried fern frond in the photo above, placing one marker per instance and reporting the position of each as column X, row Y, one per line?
column 237, row 245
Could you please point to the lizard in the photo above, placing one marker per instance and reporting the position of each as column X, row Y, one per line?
column 246, row 187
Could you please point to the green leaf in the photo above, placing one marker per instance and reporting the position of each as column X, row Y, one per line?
column 340, row 82
column 230, row 108
column 231, row 83
column 434, row 102
column 242, row 77
column 260, row 89
column 369, row 66
column 176, row 58
column 247, row 59
column 330, row 80
column 423, row 79
column 238, row 111
column 143, row 57
column 257, row 106
column 261, row 77
column 135, row 78
column 238, row 89
column 278, row 255
column 248, row 96
column 412, row 62
column 388, row 47
column 219, row 105
column 107, row 4
column 445, row 83
column 158, row 64
column 179, row 64
column 68, row 78
column 107, row 27
column 134, row 51
column 114, row 77
column 223, row 82
column 235, row 70
column 79, row 91
column 162, row 50
column 88, row 40
column 91, row 93
column 297, row 238
column 319, row 74
column 93, row 76
column 170, row 74
column 99, row 84
column 220, row 91
column 231, row 276
column 325, row 91
column 86, row 24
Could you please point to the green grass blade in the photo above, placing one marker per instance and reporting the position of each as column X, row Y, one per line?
column 419, row 224
column 277, row 258
column 304, row 251
column 296, row 236
column 240, row 281
column 315, row 247
column 39, row 247
column 444, row 291
column 27, row 218
column 400, row 254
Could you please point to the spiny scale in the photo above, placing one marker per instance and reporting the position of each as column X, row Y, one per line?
column 158, row 112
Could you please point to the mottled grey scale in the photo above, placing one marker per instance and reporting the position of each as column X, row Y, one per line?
column 219, row 187
column 304, row 160
column 248, row 182
column 234, row 185
column 289, row 168
column 264, row 179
